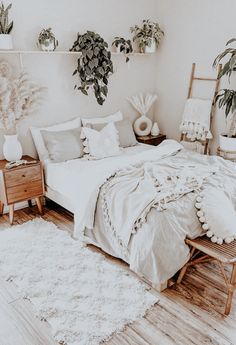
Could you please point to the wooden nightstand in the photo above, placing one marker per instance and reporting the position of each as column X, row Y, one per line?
column 21, row 183
column 150, row 140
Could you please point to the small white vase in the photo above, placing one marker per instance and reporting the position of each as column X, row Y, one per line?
column 6, row 42
column 155, row 130
column 151, row 48
column 12, row 149
column 142, row 126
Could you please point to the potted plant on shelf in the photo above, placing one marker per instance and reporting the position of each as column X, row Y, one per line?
column 123, row 46
column 148, row 36
column 226, row 98
column 5, row 28
column 19, row 97
column 94, row 64
column 47, row 40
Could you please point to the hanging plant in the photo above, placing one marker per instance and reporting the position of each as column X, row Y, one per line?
column 123, row 46
column 94, row 65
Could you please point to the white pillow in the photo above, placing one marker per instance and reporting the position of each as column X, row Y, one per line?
column 101, row 144
column 118, row 116
column 217, row 215
column 38, row 139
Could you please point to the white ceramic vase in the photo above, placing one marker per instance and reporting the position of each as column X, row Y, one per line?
column 155, row 130
column 6, row 42
column 151, row 48
column 12, row 149
column 142, row 126
column 227, row 144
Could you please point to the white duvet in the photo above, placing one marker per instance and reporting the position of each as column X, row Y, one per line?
column 80, row 180
column 157, row 250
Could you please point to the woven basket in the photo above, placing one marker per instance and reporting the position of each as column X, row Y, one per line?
column 229, row 155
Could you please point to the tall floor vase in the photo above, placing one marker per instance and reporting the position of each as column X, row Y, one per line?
column 12, row 149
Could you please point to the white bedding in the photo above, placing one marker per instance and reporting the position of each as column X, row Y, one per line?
column 54, row 172
column 157, row 250
column 79, row 180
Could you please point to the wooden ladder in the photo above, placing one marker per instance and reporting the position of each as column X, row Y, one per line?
column 193, row 78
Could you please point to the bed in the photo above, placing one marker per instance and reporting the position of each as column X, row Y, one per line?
column 126, row 222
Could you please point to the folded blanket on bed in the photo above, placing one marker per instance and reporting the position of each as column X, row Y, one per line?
column 129, row 195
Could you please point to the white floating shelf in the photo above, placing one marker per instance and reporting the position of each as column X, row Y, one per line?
column 60, row 52
column 57, row 52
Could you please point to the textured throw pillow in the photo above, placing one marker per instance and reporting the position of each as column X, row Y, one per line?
column 118, row 116
column 64, row 145
column 101, row 144
column 125, row 130
column 217, row 215
column 38, row 139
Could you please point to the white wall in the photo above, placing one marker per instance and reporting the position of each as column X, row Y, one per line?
column 195, row 31
column 109, row 18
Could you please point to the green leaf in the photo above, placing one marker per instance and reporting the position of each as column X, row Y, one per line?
column 95, row 64
column 231, row 41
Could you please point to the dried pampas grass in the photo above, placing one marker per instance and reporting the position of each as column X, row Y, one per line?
column 19, row 97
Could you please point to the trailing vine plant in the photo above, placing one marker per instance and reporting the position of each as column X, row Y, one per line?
column 94, row 64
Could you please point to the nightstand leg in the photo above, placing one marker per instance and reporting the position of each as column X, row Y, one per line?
column 39, row 204
column 1, row 208
column 11, row 213
column 29, row 203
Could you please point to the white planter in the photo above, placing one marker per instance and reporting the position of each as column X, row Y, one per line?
column 143, row 126
column 152, row 48
column 117, row 49
column 6, row 42
column 227, row 144
column 12, row 149
column 48, row 45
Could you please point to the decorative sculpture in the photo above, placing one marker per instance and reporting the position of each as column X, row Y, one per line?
column 143, row 103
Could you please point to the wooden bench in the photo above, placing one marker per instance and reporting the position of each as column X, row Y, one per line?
column 203, row 250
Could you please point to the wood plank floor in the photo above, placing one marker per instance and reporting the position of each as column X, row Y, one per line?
column 191, row 313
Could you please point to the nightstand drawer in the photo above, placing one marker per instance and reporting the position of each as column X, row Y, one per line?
column 24, row 191
column 22, row 176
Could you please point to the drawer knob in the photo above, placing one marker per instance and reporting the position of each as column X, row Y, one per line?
column 25, row 190
column 23, row 175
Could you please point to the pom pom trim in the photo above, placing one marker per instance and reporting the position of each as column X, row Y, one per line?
column 205, row 225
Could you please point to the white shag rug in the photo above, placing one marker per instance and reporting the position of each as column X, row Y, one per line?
column 84, row 297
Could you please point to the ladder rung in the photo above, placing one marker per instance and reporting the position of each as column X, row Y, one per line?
column 208, row 79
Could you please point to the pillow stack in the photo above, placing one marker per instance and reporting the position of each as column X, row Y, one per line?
column 98, row 138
